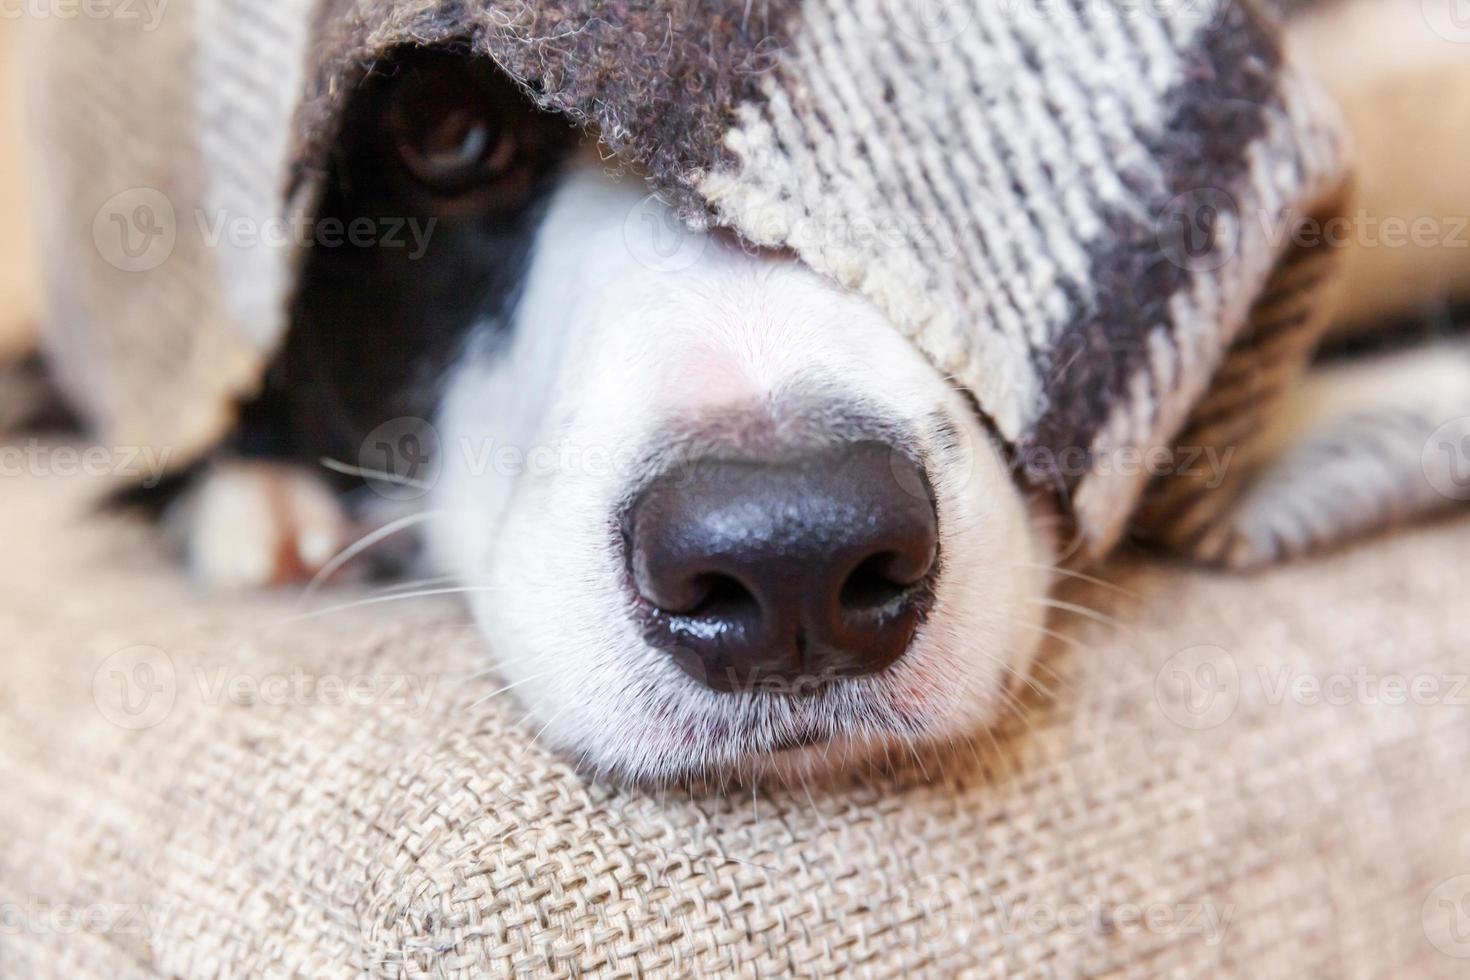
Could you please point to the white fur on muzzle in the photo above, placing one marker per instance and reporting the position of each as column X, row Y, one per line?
column 631, row 331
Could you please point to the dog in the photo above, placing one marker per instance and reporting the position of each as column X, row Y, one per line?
column 712, row 512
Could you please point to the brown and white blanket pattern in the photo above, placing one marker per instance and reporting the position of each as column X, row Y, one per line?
column 1071, row 206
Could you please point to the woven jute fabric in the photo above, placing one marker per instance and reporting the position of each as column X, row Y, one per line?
column 243, row 787
column 1071, row 207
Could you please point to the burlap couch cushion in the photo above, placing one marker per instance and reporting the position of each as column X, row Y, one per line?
column 204, row 787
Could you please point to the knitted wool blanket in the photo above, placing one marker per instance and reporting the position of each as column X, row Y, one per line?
column 1077, row 210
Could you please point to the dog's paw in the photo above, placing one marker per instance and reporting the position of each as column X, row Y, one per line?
column 253, row 524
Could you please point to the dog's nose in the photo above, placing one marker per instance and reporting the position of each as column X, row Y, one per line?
column 783, row 575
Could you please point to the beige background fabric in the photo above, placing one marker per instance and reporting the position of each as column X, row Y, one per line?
column 228, row 787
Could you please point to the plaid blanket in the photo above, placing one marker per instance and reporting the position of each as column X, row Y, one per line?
column 1079, row 210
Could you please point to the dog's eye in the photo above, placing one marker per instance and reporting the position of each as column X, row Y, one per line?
column 447, row 129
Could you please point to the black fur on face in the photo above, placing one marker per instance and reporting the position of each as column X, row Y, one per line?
column 441, row 167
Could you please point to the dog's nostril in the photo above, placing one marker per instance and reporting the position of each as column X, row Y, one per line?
column 722, row 597
column 772, row 574
column 873, row 583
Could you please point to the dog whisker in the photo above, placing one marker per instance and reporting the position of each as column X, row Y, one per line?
column 1087, row 612
column 1001, row 763
column 1023, row 676
column 347, row 469
column 816, row 811
column 508, row 687
column 363, row 544
column 375, row 600
column 1018, row 708
column 500, row 665
column 972, row 741
column 421, row 583
column 1080, row 576
column 540, row 731
column 907, row 742
column 1071, row 641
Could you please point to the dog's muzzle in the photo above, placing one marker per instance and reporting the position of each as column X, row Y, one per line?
column 784, row 575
